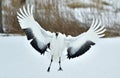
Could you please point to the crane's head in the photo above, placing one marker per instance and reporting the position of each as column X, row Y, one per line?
column 56, row 34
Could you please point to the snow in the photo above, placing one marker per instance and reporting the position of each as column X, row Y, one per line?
column 19, row 60
column 109, row 14
column 7, row 3
column 114, row 3
column 104, row 15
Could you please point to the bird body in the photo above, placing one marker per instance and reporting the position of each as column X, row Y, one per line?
column 56, row 42
column 57, row 46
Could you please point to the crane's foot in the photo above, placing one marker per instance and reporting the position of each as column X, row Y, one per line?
column 48, row 70
column 60, row 69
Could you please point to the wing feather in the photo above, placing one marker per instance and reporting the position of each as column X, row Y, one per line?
column 28, row 10
column 82, row 43
column 33, row 30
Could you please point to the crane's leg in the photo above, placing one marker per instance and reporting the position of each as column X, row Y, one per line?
column 48, row 70
column 60, row 68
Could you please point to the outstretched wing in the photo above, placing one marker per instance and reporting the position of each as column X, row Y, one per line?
column 83, row 42
column 39, row 37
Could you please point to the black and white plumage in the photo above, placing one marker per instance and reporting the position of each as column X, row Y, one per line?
column 42, row 40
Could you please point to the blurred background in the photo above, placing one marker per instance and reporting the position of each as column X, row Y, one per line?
column 66, row 16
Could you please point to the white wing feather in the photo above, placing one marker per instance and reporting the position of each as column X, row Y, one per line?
column 26, row 20
column 75, row 44
column 93, row 34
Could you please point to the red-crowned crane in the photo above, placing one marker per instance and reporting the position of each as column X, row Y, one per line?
column 56, row 42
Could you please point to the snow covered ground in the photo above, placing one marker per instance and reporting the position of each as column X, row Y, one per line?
column 19, row 60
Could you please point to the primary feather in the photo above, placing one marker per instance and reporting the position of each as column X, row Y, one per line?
column 84, row 41
column 33, row 30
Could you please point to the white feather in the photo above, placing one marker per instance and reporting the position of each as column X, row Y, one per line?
column 93, row 34
column 26, row 20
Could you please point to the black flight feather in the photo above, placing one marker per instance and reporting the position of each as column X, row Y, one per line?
column 29, row 33
column 81, row 51
column 35, row 45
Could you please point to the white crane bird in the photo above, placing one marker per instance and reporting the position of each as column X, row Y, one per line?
column 42, row 40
